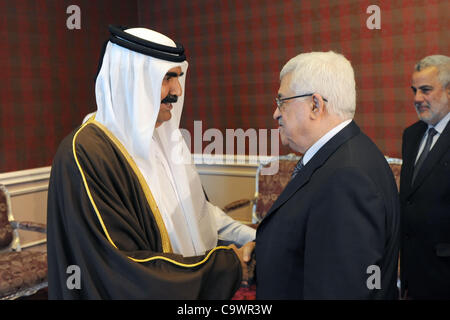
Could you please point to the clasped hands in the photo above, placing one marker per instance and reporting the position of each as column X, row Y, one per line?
column 247, row 258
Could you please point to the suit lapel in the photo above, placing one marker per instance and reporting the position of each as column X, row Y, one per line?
column 436, row 153
column 410, row 154
column 316, row 162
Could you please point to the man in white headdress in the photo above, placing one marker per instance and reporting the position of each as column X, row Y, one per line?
column 123, row 205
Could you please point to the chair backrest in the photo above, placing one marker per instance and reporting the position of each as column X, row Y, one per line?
column 396, row 167
column 6, row 230
column 269, row 186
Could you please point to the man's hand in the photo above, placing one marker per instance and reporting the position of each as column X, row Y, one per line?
column 245, row 257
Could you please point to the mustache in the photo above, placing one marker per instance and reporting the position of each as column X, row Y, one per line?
column 171, row 98
column 426, row 105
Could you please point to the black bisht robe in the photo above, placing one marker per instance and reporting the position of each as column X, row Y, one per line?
column 103, row 219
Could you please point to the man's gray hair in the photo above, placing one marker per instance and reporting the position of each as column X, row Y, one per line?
column 327, row 73
column 442, row 64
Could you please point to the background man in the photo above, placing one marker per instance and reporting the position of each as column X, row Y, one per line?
column 122, row 205
column 425, row 185
column 339, row 215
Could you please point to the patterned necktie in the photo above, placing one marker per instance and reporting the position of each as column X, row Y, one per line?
column 424, row 154
column 299, row 166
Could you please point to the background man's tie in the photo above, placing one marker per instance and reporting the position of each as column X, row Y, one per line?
column 424, row 154
column 299, row 166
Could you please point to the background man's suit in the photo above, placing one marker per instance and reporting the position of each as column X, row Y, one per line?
column 339, row 215
column 425, row 205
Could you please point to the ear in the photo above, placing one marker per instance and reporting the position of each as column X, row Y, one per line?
column 318, row 106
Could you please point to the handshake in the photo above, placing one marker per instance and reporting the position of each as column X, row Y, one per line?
column 246, row 255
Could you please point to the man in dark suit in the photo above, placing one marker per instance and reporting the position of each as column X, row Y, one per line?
column 333, row 233
column 425, row 185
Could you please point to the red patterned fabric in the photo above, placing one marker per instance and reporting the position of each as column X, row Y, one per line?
column 48, row 73
column 22, row 270
column 271, row 186
column 235, row 50
column 245, row 293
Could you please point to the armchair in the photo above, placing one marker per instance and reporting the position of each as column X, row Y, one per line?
column 22, row 273
column 267, row 187
column 396, row 166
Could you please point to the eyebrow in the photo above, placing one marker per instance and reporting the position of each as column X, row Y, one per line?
column 174, row 74
column 424, row 87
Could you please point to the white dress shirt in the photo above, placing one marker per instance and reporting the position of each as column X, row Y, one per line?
column 181, row 227
column 439, row 127
column 321, row 142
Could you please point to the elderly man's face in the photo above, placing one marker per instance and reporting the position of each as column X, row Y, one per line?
column 170, row 91
column 430, row 98
column 294, row 118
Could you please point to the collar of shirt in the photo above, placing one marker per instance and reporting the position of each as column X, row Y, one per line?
column 325, row 138
column 440, row 126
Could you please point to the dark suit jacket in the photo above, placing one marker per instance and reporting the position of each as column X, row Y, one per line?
column 425, row 245
column 335, row 219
